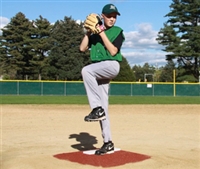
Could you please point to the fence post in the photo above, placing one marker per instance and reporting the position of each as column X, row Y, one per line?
column 65, row 88
column 17, row 87
column 41, row 88
column 131, row 88
column 174, row 79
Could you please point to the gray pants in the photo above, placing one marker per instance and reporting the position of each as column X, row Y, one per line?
column 96, row 78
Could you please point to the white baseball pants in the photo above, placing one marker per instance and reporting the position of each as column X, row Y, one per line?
column 96, row 78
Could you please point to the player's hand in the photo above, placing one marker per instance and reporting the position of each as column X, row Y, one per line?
column 94, row 23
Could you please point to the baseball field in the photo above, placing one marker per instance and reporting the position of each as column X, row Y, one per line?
column 54, row 136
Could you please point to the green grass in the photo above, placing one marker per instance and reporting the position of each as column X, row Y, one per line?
column 9, row 99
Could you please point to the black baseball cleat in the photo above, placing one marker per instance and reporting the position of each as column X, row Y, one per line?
column 107, row 148
column 97, row 114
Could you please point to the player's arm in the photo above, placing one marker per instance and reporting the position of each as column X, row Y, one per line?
column 114, row 47
column 85, row 42
column 109, row 46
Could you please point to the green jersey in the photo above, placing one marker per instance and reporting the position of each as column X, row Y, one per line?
column 98, row 50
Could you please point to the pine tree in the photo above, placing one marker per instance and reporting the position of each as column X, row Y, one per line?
column 181, row 35
column 66, row 61
column 41, row 43
column 167, row 72
column 24, row 47
column 16, row 48
column 126, row 73
column 144, row 73
column 138, row 72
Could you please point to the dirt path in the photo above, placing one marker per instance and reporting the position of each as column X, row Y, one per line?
column 32, row 134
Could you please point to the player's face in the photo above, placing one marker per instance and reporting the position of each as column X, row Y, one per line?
column 109, row 19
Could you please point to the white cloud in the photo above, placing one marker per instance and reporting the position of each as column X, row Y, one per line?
column 140, row 57
column 141, row 46
column 144, row 36
column 78, row 21
column 3, row 22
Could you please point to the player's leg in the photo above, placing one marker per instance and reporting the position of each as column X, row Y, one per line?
column 105, row 124
column 91, row 74
column 108, row 145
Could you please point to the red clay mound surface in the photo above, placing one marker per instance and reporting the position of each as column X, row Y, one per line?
column 108, row 160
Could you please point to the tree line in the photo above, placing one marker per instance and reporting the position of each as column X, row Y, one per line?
column 40, row 50
column 180, row 37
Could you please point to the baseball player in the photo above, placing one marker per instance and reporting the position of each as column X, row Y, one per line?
column 104, row 41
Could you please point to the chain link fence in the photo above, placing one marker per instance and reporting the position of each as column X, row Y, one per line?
column 64, row 88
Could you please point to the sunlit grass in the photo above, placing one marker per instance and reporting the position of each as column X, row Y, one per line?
column 112, row 100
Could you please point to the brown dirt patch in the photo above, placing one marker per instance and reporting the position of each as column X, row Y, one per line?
column 32, row 134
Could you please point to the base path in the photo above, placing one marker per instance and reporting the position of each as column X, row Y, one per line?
column 56, row 137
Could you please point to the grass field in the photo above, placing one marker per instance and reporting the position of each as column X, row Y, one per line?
column 83, row 100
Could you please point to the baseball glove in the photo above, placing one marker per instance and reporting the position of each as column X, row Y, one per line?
column 93, row 23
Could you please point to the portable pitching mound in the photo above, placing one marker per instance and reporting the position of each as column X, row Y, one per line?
column 117, row 158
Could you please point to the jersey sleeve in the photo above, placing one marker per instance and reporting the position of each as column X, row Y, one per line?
column 118, row 41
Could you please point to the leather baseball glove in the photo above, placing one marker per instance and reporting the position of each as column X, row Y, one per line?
column 94, row 23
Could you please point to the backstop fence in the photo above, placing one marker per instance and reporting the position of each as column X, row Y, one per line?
column 64, row 88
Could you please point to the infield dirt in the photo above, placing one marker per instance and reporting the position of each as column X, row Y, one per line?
column 32, row 134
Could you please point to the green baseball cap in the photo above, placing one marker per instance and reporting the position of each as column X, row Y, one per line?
column 110, row 8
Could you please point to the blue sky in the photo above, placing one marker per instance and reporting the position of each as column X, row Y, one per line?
column 140, row 19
